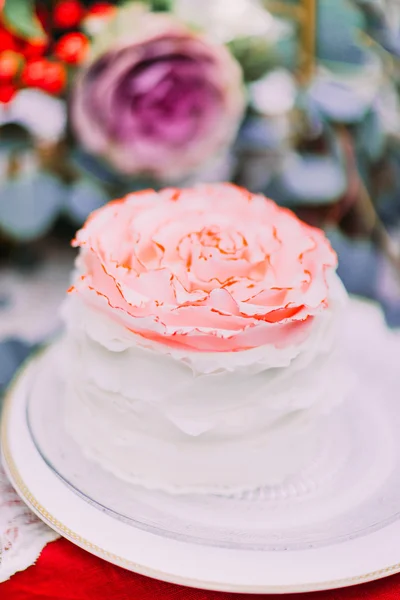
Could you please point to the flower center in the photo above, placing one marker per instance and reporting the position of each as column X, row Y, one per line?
column 211, row 242
column 214, row 256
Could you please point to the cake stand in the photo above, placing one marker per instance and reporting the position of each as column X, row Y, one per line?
column 335, row 524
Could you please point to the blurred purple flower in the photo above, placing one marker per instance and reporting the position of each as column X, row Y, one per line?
column 157, row 98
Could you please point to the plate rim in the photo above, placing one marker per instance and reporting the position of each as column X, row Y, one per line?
column 17, row 480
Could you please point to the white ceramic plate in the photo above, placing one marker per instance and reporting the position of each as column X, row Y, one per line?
column 334, row 525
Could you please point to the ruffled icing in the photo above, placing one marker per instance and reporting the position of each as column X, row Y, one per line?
column 214, row 268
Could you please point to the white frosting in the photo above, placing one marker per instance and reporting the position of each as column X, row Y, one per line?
column 205, row 422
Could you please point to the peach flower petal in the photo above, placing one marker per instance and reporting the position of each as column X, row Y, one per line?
column 213, row 268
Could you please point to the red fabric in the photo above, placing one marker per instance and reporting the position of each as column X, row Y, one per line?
column 65, row 572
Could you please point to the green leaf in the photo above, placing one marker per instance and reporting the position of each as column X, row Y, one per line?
column 370, row 136
column 311, row 180
column 254, row 54
column 154, row 5
column 339, row 24
column 19, row 16
column 84, row 196
column 29, row 205
column 161, row 5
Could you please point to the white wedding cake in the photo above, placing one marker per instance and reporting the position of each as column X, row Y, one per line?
column 199, row 352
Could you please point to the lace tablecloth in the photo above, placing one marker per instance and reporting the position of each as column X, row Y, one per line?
column 22, row 534
column 28, row 314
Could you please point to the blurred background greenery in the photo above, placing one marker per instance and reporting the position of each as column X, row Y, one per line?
column 321, row 131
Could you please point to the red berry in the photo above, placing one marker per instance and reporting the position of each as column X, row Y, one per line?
column 101, row 9
column 34, row 48
column 72, row 48
column 45, row 75
column 10, row 63
column 67, row 14
column 7, row 92
column 7, row 40
column 98, row 16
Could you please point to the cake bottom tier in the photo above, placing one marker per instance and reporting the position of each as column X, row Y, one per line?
column 137, row 444
column 179, row 463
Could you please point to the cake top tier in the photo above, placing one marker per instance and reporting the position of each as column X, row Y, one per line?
column 213, row 268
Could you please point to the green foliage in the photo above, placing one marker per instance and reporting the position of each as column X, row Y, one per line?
column 336, row 101
column 29, row 205
column 339, row 27
column 19, row 16
column 255, row 55
column 160, row 5
column 84, row 196
column 309, row 179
